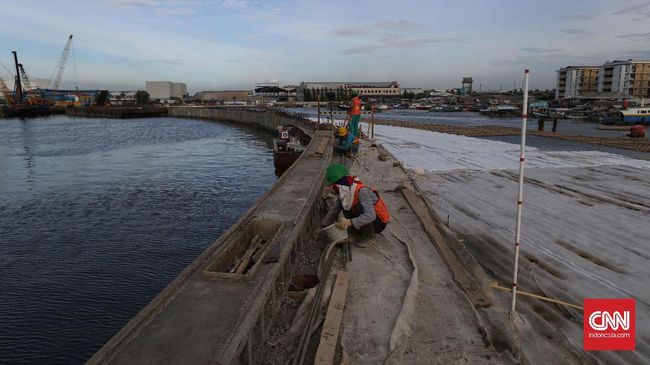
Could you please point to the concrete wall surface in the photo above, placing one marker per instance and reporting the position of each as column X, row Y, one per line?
column 264, row 119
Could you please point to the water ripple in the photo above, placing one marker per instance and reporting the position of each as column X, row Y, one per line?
column 97, row 216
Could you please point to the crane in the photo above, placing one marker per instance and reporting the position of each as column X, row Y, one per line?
column 18, row 86
column 26, row 83
column 60, row 67
column 6, row 92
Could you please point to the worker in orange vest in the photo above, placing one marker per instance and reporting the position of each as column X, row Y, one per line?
column 364, row 211
column 354, row 114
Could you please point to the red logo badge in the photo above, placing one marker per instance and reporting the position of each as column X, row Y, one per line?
column 609, row 324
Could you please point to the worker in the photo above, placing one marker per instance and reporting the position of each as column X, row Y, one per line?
column 354, row 114
column 346, row 142
column 364, row 211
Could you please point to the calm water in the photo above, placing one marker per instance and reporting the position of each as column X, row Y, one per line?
column 566, row 126
column 97, row 216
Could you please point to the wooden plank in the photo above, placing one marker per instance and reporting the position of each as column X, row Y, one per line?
column 320, row 149
column 332, row 325
column 248, row 255
column 461, row 275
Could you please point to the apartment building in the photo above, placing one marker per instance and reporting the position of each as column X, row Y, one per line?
column 576, row 80
column 630, row 77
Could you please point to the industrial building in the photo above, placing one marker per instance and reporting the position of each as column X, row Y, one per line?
column 576, row 80
column 365, row 89
column 630, row 77
column 165, row 90
column 225, row 96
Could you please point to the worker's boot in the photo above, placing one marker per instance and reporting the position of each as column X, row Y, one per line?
column 366, row 237
column 365, row 242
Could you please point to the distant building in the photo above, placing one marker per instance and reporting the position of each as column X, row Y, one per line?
column 165, row 90
column 225, row 96
column 573, row 81
column 291, row 90
column 121, row 97
column 365, row 89
column 413, row 90
column 630, row 77
column 269, row 91
column 466, row 88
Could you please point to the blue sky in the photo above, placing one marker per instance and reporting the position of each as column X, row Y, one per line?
column 231, row 44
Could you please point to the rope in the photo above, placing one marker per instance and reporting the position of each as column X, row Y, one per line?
column 547, row 299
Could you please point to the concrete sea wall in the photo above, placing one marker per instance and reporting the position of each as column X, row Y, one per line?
column 263, row 119
column 199, row 320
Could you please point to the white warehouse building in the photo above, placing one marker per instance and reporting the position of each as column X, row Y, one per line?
column 165, row 90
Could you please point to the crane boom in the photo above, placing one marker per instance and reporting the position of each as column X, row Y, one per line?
column 26, row 83
column 60, row 67
column 18, row 86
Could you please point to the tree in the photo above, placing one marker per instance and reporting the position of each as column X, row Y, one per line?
column 141, row 97
column 307, row 94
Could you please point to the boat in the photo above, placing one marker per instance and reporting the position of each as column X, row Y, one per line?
column 382, row 107
column 287, row 147
column 629, row 116
column 423, row 107
column 24, row 111
column 445, row 108
column 502, row 110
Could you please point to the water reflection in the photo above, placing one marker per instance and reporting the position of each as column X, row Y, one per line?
column 98, row 215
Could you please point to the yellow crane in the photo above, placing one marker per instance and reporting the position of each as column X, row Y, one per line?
column 6, row 92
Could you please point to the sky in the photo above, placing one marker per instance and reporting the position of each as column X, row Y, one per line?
column 232, row 44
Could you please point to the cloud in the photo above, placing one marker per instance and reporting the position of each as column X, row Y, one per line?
column 633, row 9
column 132, row 2
column 346, row 31
column 385, row 25
column 396, row 24
column 574, row 31
column 176, row 11
column 241, row 4
column 541, row 50
column 382, row 34
column 170, row 62
column 636, row 37
column 558, row 59
column 399, row 41
column 359, row 50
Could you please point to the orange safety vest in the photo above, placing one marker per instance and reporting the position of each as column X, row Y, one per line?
column 380, row 207
column 355, row 109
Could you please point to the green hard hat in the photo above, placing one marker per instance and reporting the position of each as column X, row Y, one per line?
column 335, row 172
column 354, row 93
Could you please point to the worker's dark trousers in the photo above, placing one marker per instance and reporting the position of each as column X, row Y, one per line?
column 377, row 226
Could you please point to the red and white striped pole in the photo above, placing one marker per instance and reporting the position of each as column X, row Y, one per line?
column 520, row 194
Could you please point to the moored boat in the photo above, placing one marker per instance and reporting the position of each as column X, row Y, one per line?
column 629, row 116
column 502, row 110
